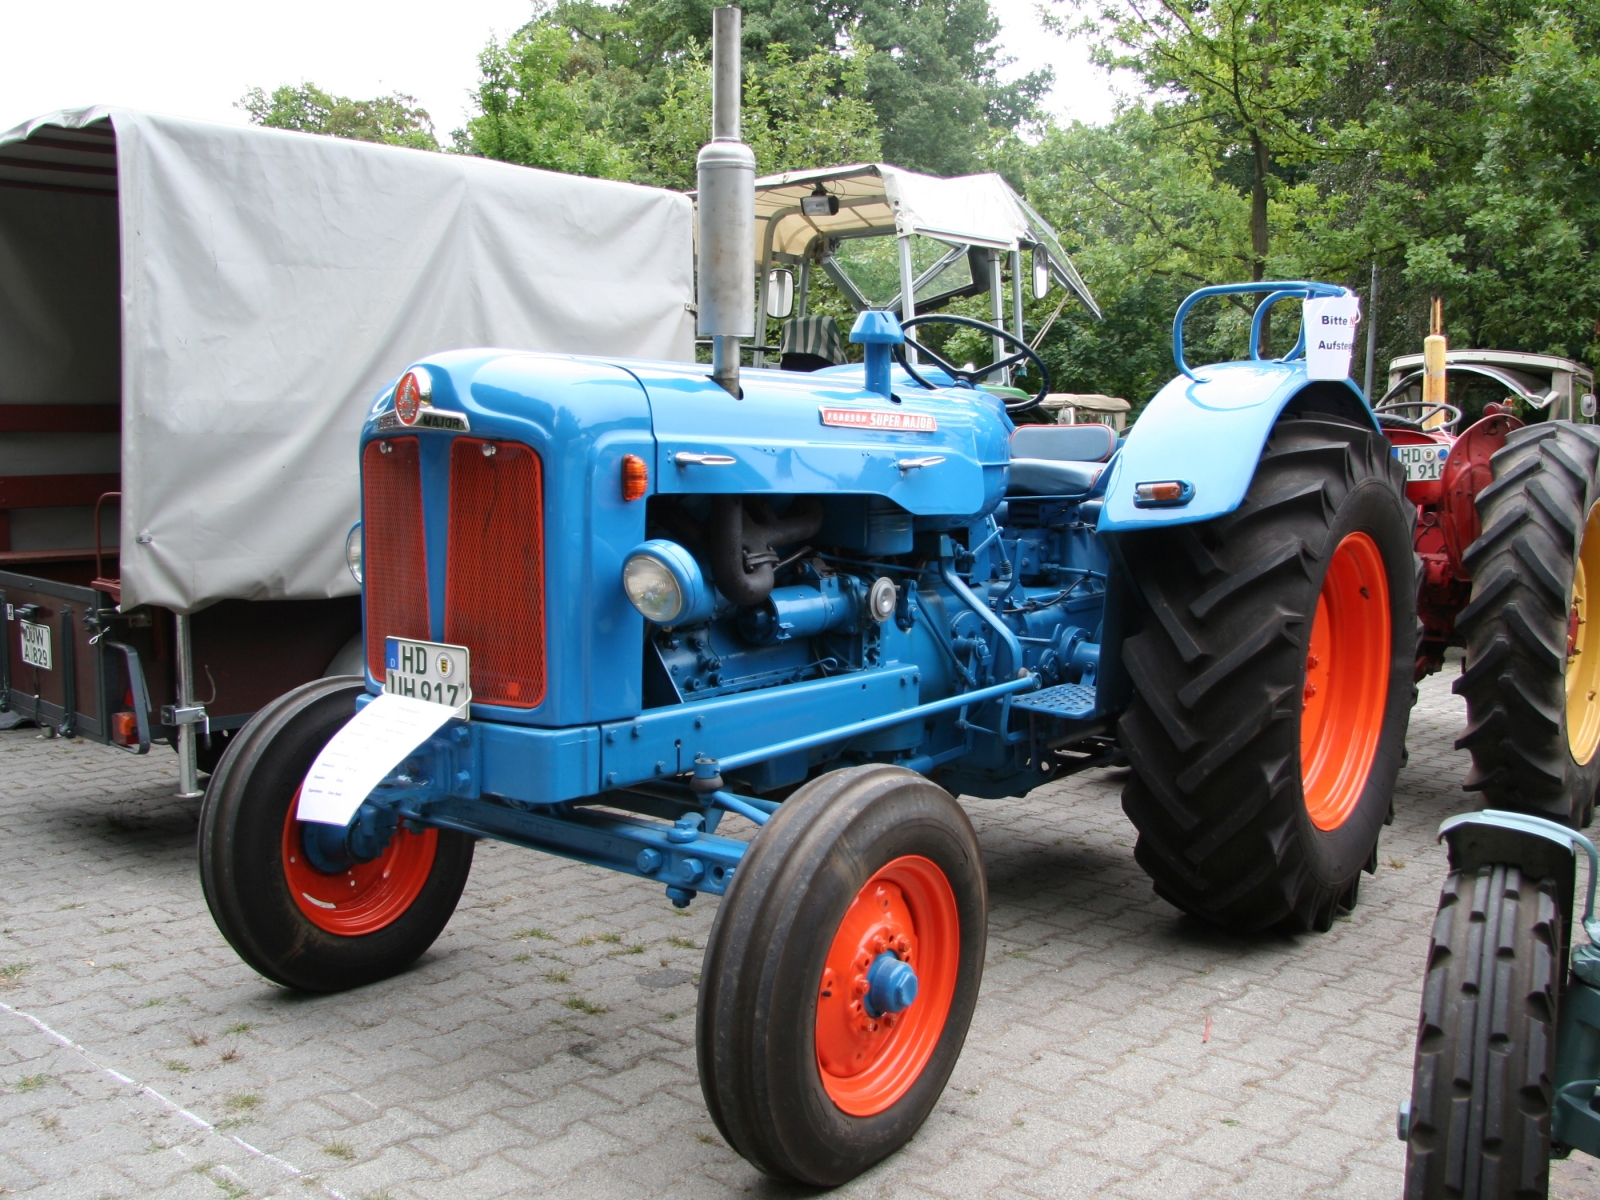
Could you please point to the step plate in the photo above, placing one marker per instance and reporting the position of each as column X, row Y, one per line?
column 1069, row 701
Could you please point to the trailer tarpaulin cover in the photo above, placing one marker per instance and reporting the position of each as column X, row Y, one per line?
column 271, row 283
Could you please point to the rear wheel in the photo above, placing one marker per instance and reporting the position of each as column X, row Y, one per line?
column 1532, row 677
column 319, row 930
column 1481, row 1090
column 1273, row 684
column 841, row 974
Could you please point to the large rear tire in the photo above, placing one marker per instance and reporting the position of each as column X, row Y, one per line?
column 1273, row 684
column 298, row 926
column 860, row 870
column 1532, row 677
column 1481, row 1091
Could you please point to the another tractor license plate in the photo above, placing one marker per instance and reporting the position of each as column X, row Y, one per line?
column 35, row 644
column 428, row 671
column 1422, row 463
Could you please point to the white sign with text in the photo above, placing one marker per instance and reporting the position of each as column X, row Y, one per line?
column 1331, row 323
column 375, row 741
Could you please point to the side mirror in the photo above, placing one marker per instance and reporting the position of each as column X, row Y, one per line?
column 780, row 293
column 1041, row 275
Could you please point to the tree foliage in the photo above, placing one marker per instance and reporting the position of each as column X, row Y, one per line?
column 396, row 119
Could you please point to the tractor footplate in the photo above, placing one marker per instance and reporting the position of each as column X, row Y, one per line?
column 1070, row 701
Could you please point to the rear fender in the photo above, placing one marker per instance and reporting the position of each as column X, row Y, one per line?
column 1208, row 432
column 1466, row 473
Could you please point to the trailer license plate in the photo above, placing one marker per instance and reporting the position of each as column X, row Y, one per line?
column 35, row 644
column 428, row 671
column 1422, row 463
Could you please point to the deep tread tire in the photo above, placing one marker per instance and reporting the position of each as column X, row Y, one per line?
column 1481, row 1090
column 1533, row 516
column 756, row 1025
column 240, row 849
column 1219, row 668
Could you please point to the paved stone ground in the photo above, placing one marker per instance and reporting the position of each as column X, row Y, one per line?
column 545, row 1045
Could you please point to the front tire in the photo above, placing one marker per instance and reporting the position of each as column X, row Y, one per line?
column 862, row 869
column 1273, row 684
column 300, row 927
column 1481, row 1090
column 1532, row 675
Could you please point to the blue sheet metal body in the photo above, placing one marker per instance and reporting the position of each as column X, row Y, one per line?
column 988, row 667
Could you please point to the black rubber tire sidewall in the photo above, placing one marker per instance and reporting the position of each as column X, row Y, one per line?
column 241, row 855
column 756, row 1020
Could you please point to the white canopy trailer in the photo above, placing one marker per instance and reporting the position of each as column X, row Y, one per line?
column 950, row 237
column 194, row 320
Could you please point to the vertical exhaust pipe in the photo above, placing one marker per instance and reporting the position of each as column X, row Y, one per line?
column 725, row 182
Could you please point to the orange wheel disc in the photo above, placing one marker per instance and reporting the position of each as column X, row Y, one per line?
column 1347, row 682
column 868, row 1061
column 366, row 897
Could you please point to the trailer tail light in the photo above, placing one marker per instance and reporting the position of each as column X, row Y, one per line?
column 494, row 602
column 125, row 729
column 394, row 563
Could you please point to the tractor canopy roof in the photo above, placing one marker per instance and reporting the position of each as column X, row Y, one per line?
column 875, row 200
column 1534, row 379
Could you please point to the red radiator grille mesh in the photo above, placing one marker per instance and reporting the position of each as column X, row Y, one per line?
column 393, row 560
column 494, row 603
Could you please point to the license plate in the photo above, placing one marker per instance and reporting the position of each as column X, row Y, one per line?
column 428, row 671
column 35, row 644
column 1422, row 463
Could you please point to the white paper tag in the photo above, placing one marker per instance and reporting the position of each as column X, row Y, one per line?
column 1331, row 323
column 363, row 752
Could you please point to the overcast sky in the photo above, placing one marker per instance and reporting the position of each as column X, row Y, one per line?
column 195, row 58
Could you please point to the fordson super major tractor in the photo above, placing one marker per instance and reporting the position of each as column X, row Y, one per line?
column 607, row 603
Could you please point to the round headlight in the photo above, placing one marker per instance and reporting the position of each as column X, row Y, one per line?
column 665, row 584
column 652, row 588
column 352, row 551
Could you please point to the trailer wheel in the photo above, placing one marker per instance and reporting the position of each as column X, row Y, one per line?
column 1481, row 1092
column 841, row 974
column 296, row 925
column 1273, row 684
column 1532, row 677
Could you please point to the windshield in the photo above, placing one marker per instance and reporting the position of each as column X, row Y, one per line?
column 873, row 265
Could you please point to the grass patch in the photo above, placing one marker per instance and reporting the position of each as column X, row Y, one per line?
column 70, row 907
column 229, row 1055
column 153, row 1002
column 29, row 1083
column 533, row 932
column 50, row 1122
column 241, row 1027
column 611, row 938
column 196, row 1038
column 243, row 1102
column 12, row 972
column 522, row 958
column 587, row 939
column 587, row 1007
column 634, row 949
column 173, row 1064
column 343, row 1150
column 558, row 976
column 682, row 943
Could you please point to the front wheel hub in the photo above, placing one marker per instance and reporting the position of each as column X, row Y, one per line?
column 891, row 986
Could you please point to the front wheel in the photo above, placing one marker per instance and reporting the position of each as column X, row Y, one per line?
column 841, row 974
column 1481, row 1089
column 1273, row 684
column 320, row 931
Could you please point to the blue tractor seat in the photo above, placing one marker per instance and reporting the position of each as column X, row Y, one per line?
column 1058, row 460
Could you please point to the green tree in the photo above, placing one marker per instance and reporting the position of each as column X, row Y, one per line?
column 396, row 119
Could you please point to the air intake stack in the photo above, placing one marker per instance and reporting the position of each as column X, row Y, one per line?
column 726, row 178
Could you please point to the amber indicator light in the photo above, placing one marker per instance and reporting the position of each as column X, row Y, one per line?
column 635, row 477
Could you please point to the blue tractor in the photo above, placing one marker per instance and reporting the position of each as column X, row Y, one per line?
column 640, row 596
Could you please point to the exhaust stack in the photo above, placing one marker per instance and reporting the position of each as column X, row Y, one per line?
column 725, row 178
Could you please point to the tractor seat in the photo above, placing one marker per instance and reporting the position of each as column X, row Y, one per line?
column 1058, row 460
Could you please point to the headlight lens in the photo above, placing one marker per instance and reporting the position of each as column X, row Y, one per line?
column 352, row 551
column 652, row 589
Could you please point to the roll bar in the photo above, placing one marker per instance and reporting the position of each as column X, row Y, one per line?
column 1276, row 289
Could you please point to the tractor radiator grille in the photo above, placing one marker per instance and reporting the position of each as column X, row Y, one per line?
column 494, row 603
column 393, row 560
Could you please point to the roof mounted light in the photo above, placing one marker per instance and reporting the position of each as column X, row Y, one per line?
column 820, row 203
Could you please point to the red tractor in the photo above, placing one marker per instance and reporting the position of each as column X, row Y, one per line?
column 1508, row 533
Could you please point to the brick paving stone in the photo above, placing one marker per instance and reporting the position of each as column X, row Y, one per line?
column 161, row 1066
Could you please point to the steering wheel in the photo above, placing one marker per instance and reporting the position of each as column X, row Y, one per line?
column 1388, row 412
column 1024, row 353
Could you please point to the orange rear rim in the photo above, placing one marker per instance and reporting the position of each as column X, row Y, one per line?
column 366, row 897
column 868, row 1062
column 1347, row 682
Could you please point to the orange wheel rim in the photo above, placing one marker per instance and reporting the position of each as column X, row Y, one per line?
column 1346, row 687
column 366, row 897
column 868, row 1062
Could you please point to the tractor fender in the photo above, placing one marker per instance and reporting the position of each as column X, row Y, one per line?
column 1540, row 849
column 1207, row 432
